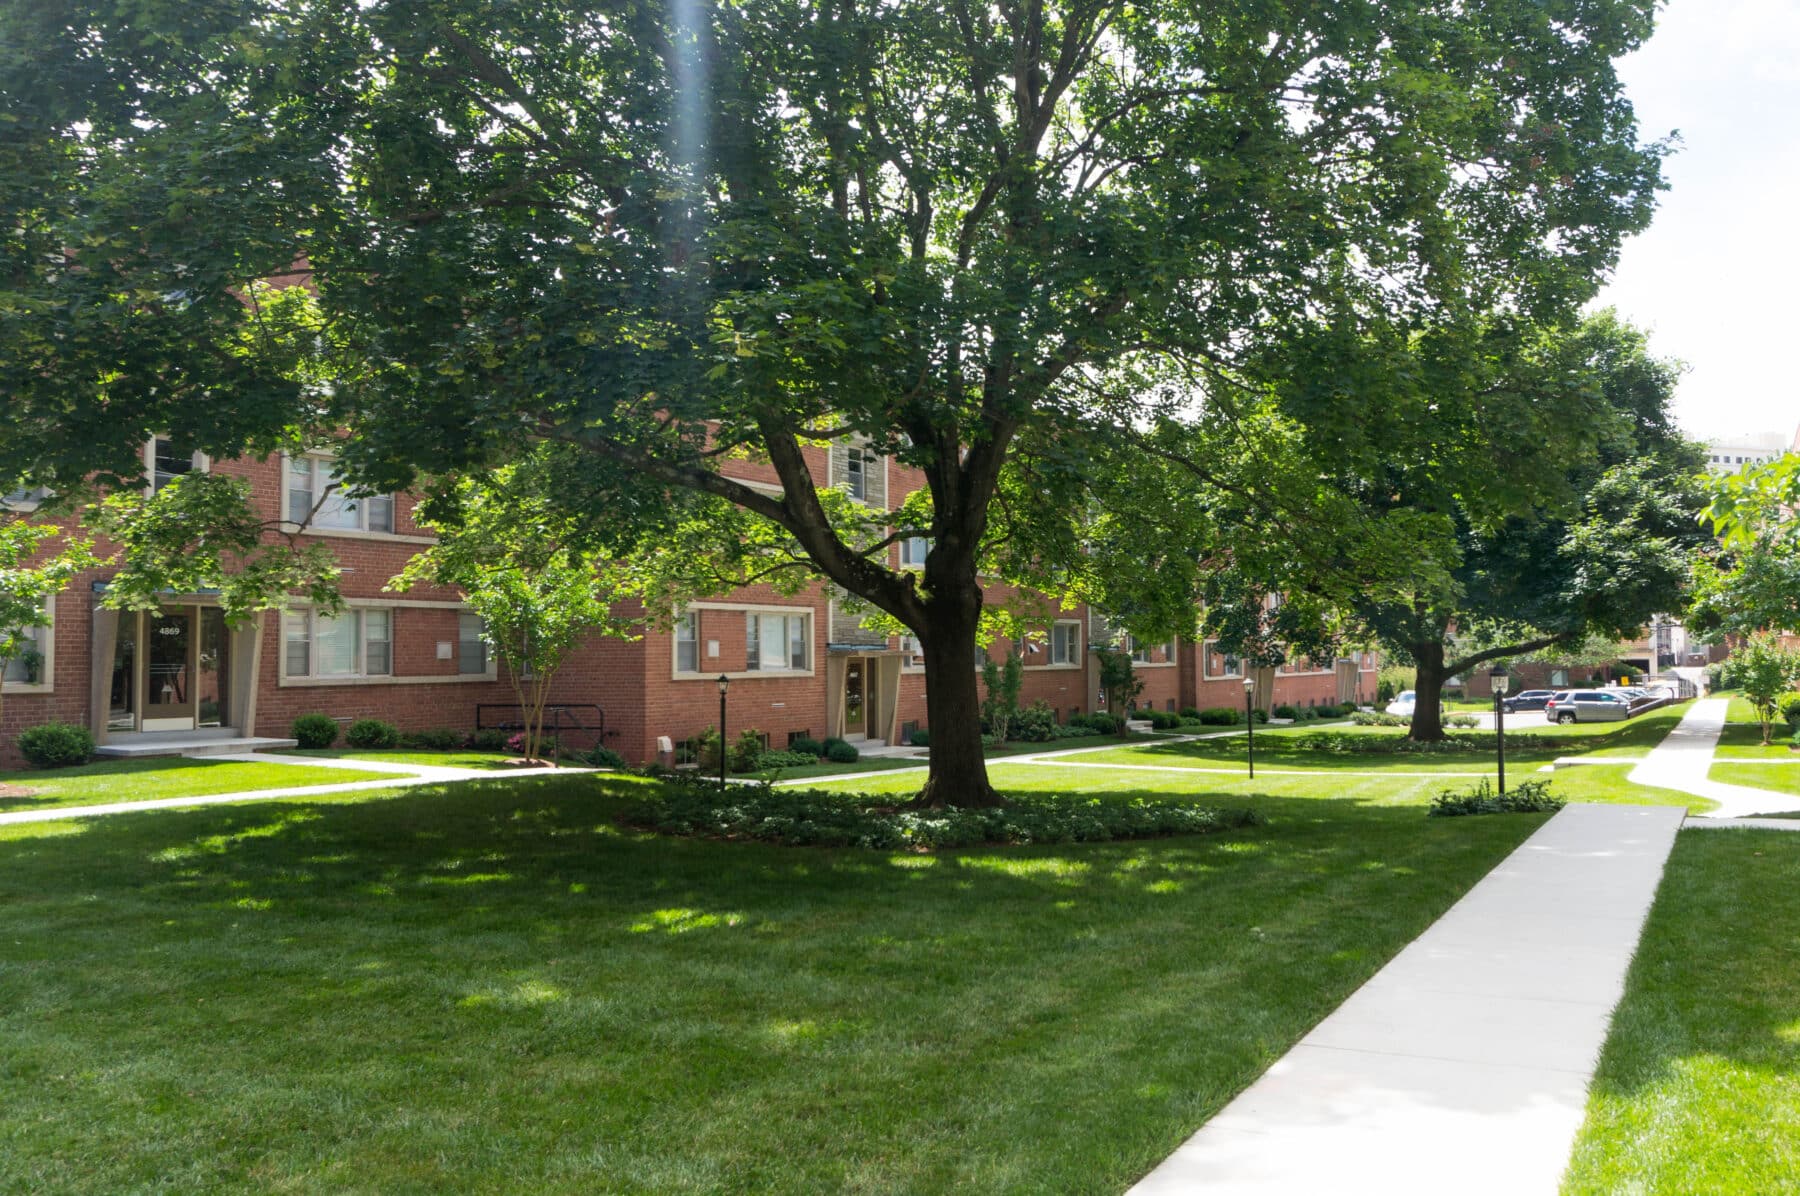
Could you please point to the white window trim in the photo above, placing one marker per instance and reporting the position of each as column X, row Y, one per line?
column 900, row 552
column 202, row 463
column 675, row 645
column 1168, row 646
column 48, row 684
column 767, row 608
column 786, row 668
column 290, row 524
column 918, row 652
column 1206, row 655
column 285, row 681
column 1050, row 663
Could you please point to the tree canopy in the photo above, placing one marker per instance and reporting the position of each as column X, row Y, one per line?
column 672, row 237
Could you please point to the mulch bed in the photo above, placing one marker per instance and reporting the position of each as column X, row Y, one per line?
column 16, row 791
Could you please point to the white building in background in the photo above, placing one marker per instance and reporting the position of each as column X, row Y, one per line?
column 1731, row 454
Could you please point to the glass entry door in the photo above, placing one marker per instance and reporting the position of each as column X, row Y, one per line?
column 856, row 680
column 169, row 653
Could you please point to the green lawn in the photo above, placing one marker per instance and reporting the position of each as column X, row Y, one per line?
column 147, row 780
column 445, row 759
column 1782, row 778
column 1698, row 1089
column 489, row 987
column 888, row 763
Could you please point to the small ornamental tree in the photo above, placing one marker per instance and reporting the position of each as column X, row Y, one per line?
column 1765, row 671
column 1119, row 681
column 1003, row 682
column 29, row 574
column 538, row 599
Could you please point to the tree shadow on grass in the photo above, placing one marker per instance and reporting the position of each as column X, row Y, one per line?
column 718, row 1015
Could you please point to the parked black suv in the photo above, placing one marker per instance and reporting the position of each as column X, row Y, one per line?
column 1527, row 699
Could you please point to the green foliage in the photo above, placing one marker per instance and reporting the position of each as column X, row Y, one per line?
column 708, row 748
column 203, row 532
column 746, row 751
column 1035, row 724
column 810, row 747
column 818, row 818
column 437, row 739
column 1284, row 711
column 839, row 752
column 1221, row 716
column 920, row 738
column 1355, row 743
column 31, row 572
column 1379, row 718
column 788, row 759
column 1393, row 680
column 1163, row 720
column 1001, row 706
column 1790, row 708
column 605, row 757
column 489, row 740
column 1190, row 714
column 56, row 745
column 1764, row 670
column 1528, row 797
column 370, row 733
column 1099, row 722
column 314, row 730
column 1118, row 680
column 1464, row 721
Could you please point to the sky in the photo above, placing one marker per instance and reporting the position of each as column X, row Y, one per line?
column 1714, row 277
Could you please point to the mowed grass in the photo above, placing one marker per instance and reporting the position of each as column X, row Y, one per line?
column 1698, row 1089
column 490, row 987
column 1781, row 778
column 148, row 780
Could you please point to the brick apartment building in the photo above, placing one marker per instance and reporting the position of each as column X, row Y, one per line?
column 796, row 664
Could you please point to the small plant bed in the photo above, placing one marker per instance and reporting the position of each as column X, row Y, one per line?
column 455, row 758
column 817, row 818
column 1698, row 1087
column 1527, row 797
column 108, row 781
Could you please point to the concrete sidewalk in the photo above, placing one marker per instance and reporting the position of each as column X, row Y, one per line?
column 1683, row 760
column 1462, row 1066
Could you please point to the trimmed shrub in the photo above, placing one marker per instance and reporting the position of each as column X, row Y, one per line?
column 1262, row 716
column 1035, row 724
column 770, row 760
column 1378, row 718
column 1164, row 720
column 314, row 730
column 1465, row 721
column 547, row 745
column 840, row 752
column 1328, row 710
column 816, row 818
column 605, row 757
column 1790, row 709
column 920, row 738
column 1099, row 723
column 372, row 733
column 488, row 741
column 437, row 739
column 746, row 751
column 1285, row 711
column 808, row 745
column 1221, row 716
column 56, row 745
column 1191, row 714
column 1071, row 731
column 1352, row 744
column 1528, row 797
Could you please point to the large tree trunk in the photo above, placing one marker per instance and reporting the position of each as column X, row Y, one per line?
column 958, row 774
column 1428, row 709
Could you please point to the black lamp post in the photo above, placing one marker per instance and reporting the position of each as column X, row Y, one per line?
column 1250, row 721
column 724, row 684
column 1498, row 679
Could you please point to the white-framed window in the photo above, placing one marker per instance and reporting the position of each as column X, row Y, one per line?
column 354, row 643
column 777, row 643
column 471, row 644
column 25, row 498
column 912, row 653
column 687, row 643
column 31, row 666
column 1221, row 664
column 856, row 475
column 314, row 489
column 1146, row 653
column 1065, row 643
column 912, row 552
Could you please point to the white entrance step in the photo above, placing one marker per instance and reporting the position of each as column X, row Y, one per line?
column 145, row 744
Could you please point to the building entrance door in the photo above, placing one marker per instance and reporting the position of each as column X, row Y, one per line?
column 169, row 653
column 856, row 693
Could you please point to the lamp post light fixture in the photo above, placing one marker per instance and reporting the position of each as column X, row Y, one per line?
column 724, row 684
column 1250, row 721
column 1499, row 680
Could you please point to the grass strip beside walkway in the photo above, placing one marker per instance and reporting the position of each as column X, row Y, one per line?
column 156, row 779
column 1699, row 1084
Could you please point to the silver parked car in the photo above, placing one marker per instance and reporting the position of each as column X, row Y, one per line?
column 1587, row 706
